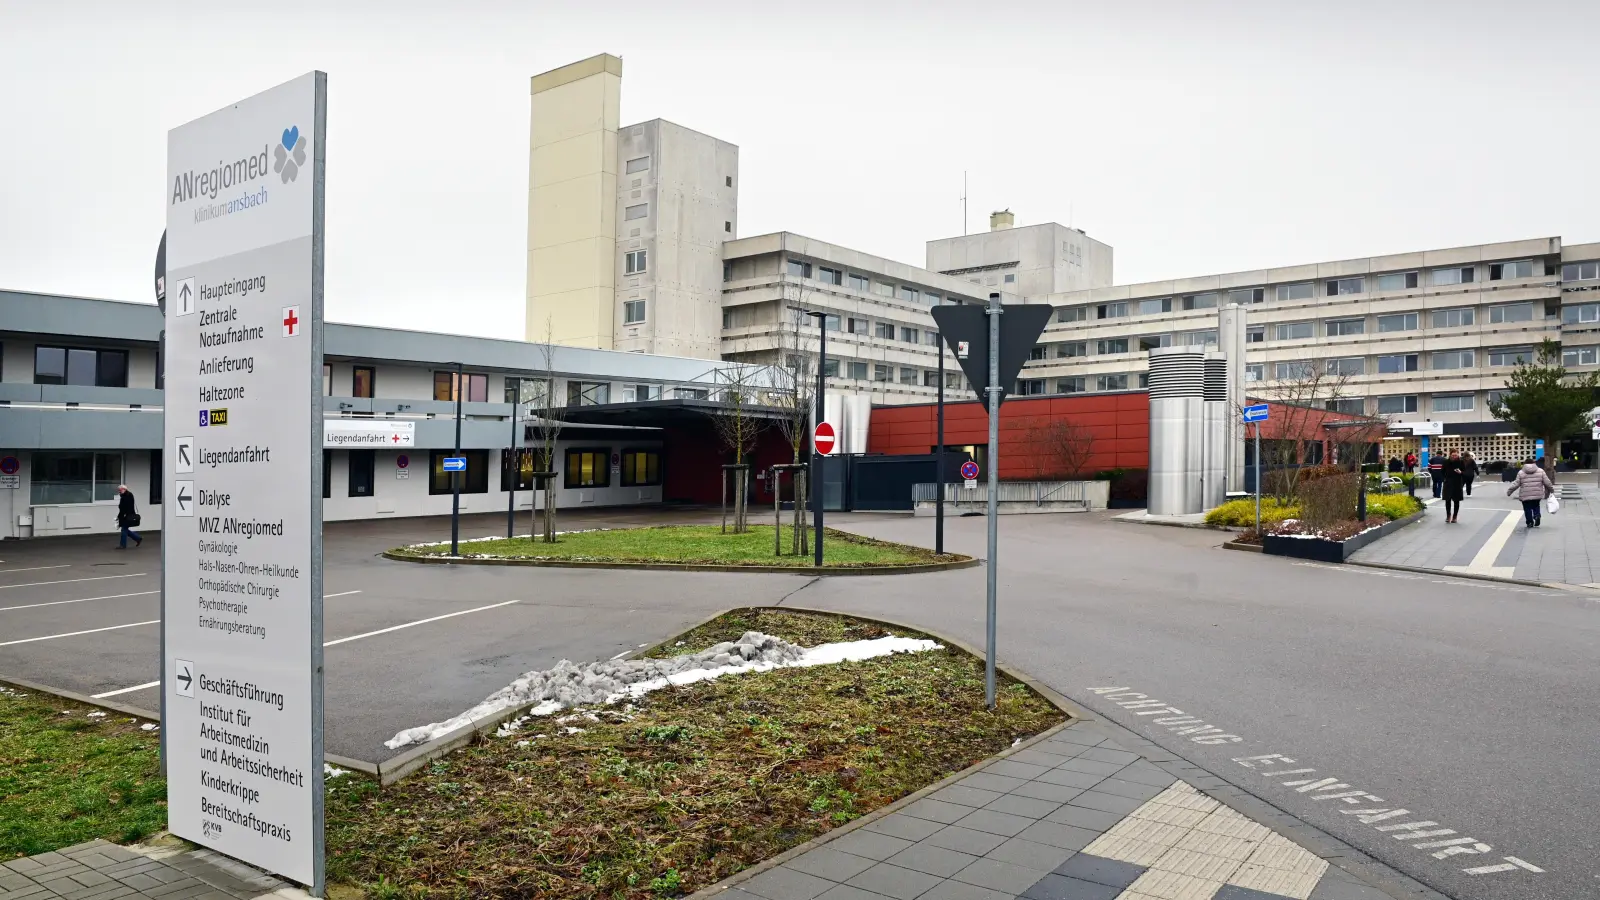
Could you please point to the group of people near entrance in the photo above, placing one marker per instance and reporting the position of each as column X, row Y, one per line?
column 1453, row 476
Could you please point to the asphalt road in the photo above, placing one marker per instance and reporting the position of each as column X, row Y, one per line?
column 502, row 621
column 1467, row 705
column 1475, row 706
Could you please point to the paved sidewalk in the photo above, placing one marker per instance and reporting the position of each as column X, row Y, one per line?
column 1491, row 539
column 1074, row 817
column 101, row 871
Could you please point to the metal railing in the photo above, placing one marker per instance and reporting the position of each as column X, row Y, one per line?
column 1036, row 492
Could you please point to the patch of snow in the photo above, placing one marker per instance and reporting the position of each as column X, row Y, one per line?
column 330, row 772
column 572, row 731
column 148, row 727
column 568, row 684
column 524, row 744
column 97, row 715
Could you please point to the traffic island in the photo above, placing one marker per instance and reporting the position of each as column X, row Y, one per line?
column 673, row 791
column 696, row 548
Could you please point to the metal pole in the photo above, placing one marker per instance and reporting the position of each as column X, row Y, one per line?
column 513, row 472
column 938, row 497
column 994, row 493
column 1258, row 479
column 455, row 477
column 816, row 458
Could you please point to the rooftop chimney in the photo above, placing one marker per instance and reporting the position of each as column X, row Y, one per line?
column 1000, row 221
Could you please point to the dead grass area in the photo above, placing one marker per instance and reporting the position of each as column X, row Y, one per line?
column 686, row 786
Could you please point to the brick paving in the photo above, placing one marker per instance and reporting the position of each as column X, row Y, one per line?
column 102, row 871
column 1073, row 817
column 1564, row 549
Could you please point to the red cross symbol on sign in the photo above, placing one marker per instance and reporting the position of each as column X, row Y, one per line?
column 291, row 321
column 396, row 439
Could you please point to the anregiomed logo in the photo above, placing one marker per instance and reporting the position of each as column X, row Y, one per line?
column 288, row 155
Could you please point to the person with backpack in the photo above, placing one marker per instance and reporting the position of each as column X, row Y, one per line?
column 127, row 518
column 1531, row 486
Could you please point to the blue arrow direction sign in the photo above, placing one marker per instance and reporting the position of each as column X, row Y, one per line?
column 455, row 463
column 1257, row 413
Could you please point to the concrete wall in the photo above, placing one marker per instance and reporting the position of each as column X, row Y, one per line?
column 691, row 190
column 1043, row 259
column 572, row 183
column 89, row 518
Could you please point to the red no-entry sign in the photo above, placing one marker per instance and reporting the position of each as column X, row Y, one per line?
column 823, row 439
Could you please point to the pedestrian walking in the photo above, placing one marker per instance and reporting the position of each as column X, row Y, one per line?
column 127, row 518
column 1531, row 487
column 1436, row 474
column 1469, row 471
column 1453, row 474
column 1395, row 465
column 1411, row 462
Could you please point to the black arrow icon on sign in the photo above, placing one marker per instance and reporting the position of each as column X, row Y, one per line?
column 183, row 454
column 183, row 498
column 183, row 294
column 186, row 678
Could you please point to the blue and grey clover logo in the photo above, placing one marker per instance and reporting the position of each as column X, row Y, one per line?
column 290, row 154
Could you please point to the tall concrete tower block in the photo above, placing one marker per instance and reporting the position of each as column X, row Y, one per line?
column 572, row 200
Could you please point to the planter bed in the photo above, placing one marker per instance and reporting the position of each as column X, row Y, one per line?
column 1324, row 550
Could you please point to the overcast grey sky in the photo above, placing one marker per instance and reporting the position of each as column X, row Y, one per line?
column 1193, row 137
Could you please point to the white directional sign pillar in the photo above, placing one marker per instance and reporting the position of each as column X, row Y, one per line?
column 242, row 541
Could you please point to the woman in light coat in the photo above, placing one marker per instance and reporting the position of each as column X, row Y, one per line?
column 1531, row 487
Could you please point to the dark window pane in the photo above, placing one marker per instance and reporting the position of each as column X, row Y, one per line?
column 441, row 385
column 361, row 381
column 81, row 367
column 49, row 365
column 113, row 369
column 362, row 465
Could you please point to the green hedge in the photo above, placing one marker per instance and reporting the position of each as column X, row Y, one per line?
column 1242, row 513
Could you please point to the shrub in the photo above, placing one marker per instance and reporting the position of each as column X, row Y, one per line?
column 1242, row 513
column 1327, row 499
column 1316, row 473
column 1391, row 506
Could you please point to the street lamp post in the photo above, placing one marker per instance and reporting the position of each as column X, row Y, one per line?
column 938, row 457
column 455, row 477
column 513, row 467
column 817, row 417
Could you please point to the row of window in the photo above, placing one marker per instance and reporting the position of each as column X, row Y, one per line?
column 642, row 211
column 883, row 372
column 1401, row 363
column 1078, row 384
column 888, row 331
column 80, row 366
column 1304, row 290
column 586, row 468
column 839, row 277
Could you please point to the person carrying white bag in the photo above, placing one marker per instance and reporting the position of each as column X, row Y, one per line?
column 1531, row 486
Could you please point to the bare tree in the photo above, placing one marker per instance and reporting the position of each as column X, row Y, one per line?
column 1302, row 400
column 739, row 392
column 548, row 419
column 1059, row 448
column 795, row 376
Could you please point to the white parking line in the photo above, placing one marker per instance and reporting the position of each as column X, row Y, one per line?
column 340, row 594
column 84, row 600
column 34, row 569
column 343, row 640
column 51, row 637
column 357, row 637
column 7, row 587
column 126, row 690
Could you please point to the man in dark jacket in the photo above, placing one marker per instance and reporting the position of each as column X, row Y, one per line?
column 127, row 518
column 1436, row 472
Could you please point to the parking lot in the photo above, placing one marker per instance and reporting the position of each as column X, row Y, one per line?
column 407, row 644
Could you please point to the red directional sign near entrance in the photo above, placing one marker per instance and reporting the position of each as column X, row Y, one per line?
column 823, row 439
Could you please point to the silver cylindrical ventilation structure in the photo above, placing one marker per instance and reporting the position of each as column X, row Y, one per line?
column 1177, row 376
column 1231, row 334
column 1214, row 484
